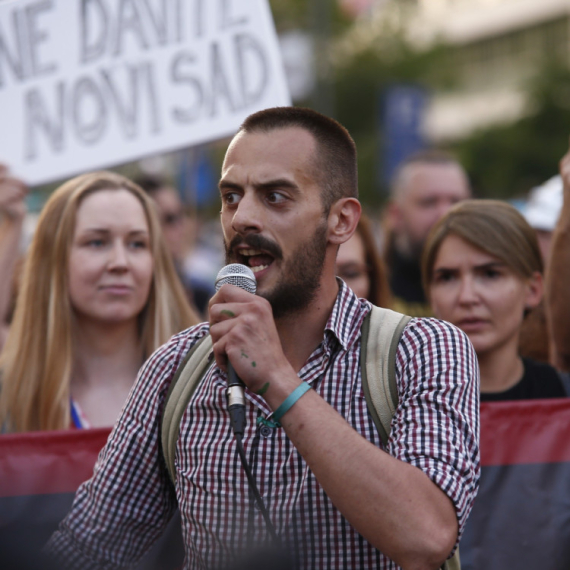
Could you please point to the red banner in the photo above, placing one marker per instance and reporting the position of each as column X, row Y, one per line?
column 39, row 474
column 47, row 462
column 530, row 431
column 520, row 519
column 521, row 516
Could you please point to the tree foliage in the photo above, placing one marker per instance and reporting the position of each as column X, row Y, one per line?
column 507, row 161
column 359, row 87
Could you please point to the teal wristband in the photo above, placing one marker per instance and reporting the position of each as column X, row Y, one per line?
column 289, row 401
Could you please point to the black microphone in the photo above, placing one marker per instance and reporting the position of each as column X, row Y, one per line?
column 240, row 276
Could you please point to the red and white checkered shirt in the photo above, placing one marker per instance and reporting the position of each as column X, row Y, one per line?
column 119, row 512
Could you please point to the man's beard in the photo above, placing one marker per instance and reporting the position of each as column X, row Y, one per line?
column 409, row 248
column 301, row 274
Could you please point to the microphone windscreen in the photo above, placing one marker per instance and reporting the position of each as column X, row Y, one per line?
column 239, row 275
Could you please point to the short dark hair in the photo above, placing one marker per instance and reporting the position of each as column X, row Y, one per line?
column 335, row 165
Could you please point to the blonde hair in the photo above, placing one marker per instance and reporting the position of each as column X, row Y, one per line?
column 495, row 227
column 36, row 363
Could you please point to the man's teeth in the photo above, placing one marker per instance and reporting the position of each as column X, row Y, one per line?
column 250, row 253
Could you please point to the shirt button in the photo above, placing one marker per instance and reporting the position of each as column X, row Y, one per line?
column 265, row 431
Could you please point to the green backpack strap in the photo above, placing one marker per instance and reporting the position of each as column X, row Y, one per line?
column 381, row 332
column 183, row 385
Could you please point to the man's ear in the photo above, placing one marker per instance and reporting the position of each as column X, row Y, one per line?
column 343, row 219
column 535, row 289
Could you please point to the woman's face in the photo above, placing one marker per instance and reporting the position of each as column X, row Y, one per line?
column 480, row 294
column 110, row 263
column 351, row 266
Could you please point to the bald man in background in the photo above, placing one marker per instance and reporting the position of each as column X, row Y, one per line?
column 424, row 187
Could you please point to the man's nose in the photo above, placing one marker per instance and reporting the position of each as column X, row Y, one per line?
column 248, row 216
column 443, row 207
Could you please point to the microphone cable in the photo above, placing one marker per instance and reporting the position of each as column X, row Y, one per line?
column 255, row 490
column 242, row 276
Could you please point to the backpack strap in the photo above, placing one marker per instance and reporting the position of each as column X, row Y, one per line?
column 381, row 333
column 187, row 377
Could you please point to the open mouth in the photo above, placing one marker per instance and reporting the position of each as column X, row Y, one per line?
column 255, row 259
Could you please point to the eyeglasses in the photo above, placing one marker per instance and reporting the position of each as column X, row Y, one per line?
column 352, row 271
column 172, row 218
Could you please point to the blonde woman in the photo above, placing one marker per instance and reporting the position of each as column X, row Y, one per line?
column 99, row 293
column 482, row 271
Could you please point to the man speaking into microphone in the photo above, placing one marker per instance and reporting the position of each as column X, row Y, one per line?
column 335, row 495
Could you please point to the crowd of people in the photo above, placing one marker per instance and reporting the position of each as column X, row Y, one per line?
column 100, row 311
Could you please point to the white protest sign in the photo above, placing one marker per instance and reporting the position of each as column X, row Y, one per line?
column 88, row 84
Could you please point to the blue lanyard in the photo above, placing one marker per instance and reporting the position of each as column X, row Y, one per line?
column 75, row 416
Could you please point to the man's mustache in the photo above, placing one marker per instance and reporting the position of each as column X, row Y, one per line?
column 255, row 241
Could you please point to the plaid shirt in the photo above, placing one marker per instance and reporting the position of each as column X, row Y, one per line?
column 125, row 506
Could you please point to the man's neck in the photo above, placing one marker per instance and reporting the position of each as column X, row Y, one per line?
column 302, row 331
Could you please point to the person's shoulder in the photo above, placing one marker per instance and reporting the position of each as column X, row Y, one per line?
column 432, row 342
column 183, row 341
column 536, row 367
column 429, row 330
column 167, row 357
column 435, row 353
column 546, row 379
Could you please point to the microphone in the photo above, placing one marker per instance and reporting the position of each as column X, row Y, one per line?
column 240, row 276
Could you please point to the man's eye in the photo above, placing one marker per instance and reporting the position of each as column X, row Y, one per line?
column 275, row 197
column 231, row 198
column 428, row 203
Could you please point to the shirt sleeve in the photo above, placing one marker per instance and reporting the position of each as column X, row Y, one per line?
column 118, row 514
column 436, row 424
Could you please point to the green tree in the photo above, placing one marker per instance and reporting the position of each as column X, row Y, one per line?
column 359, row 86
column 507, row 161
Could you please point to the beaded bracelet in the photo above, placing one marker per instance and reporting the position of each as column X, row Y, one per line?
column 287, row 404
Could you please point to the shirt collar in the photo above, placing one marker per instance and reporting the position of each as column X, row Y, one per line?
column 346, row 317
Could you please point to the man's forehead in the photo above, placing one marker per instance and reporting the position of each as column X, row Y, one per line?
column 423, row 179
column 280, row 148
column 277, row 134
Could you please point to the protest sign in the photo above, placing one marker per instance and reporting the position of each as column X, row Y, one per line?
column 86, row 84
